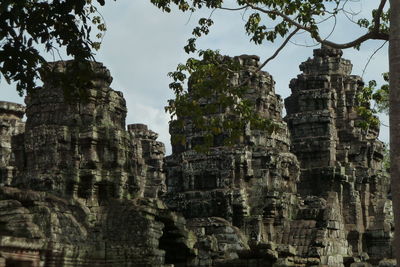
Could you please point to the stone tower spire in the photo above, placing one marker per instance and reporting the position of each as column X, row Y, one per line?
column 335, row 152
column 82, row 149
column 251, row 185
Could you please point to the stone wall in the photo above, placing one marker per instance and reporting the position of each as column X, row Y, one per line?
column 11, row 125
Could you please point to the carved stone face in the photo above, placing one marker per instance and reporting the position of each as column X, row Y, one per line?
column 288, row 168
column 270, row 208
column 286, row 173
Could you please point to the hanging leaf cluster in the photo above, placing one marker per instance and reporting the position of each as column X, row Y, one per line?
column 373, row 100
column 28, row 26
column 269, row 20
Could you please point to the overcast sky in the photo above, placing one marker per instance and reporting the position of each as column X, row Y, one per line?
column 143, row 44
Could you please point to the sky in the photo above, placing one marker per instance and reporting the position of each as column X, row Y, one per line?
column 142, row 44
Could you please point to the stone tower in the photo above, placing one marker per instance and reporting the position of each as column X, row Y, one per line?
column 82, row 149
column 336, row 154
column 78, row 188
column 252, row 185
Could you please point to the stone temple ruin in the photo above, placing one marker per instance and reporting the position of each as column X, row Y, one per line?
column 79, row 188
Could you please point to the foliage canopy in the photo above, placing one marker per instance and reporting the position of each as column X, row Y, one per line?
column 267, row 21
column 26, row 26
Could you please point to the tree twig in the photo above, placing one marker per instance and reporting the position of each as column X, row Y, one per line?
column 234, row 9
column 370, row 58
column 278, row 50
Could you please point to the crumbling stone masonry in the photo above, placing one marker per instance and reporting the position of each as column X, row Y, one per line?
column 79, row 189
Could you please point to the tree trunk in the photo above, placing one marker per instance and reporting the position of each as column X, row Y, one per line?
column 394, row 117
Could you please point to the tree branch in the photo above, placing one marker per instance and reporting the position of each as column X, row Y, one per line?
column 377, row 17
column 374, row 34
column 271, row 57
column 370, row 58
column 278, row 50
column 358, row 41
column 234, row 9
